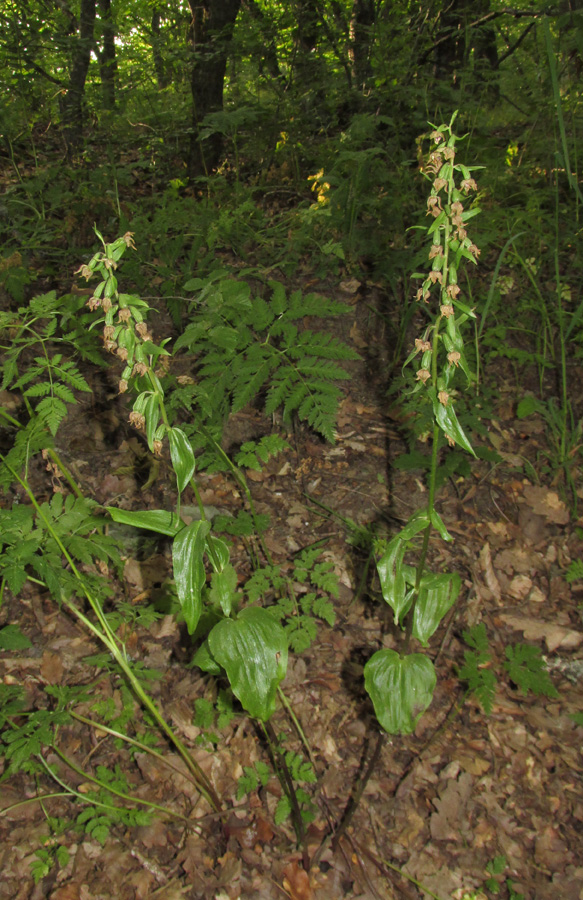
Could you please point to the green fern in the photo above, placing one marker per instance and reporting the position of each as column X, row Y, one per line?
column 245, row 346
column 527, row 669
column 476, row 671
column 575, row 571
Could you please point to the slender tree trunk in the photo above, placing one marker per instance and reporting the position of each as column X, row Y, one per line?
column 107, row 58
column 213, row 23
column 162, row 74
column 450, row 52
column 361, row 22
column 269, row 61
column 73, row 101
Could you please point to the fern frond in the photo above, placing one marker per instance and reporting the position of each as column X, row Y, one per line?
column 69, row 374
column 481, row 681
column 301, row 305
column 51, row 411
column 527, row 669
column 38, row 390
column 323, row 345
column 63, row 393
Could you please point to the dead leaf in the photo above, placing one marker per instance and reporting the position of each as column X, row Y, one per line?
column 546, row 503
column 491, row 581
column 67, row 892
column 52, row 668
column 449, row 822
column 475, row 765
column 350, row 286
column 550, row 851
column 520, row 587
column 297, row 882
column 555, row 636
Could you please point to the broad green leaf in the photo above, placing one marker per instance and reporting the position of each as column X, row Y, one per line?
column 389, row 567
column 252, row 650
column 448, row 422
column 189, row 575
column 205, row 660
column 223, row 588
column 159, row 520
column 526, row 407
column 418, row 521
column 12, row 638
column 217, row 552
column 151, row 414
column 401, row 688
column 437, row 594
column 438, row 524
column 182, row 457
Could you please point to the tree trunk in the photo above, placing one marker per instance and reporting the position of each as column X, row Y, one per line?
column 361, row 22
column 162, row 75
column 269, row 61
column 450, row 52
column 107, row 59
column 213, row 23
column 73, row 101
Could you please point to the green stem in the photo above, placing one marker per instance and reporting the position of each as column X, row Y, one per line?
column 287, row 784
column 144, row 748
column 112, row 790
column 107, row 637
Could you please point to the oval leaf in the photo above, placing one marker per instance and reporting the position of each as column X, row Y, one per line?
column 252, row 650
column 391, row 576
column 418, row 521
column 448, row 422
column 151, row 414
column 401, row 689
column 438, row 524
column 218, row 552
column 437, row 594
column 205, row 660
column 223, row 588
column 159, row 520
column 189, row 574
column 182, row 457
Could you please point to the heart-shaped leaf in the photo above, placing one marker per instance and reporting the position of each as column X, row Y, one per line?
column 401, row 688
column 252, row 649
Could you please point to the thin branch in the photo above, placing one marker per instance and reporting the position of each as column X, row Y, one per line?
column 489, row 17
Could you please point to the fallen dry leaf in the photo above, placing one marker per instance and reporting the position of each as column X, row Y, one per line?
column 555, row 636
column 490, row 576
column 546, row 503
column 297, row 881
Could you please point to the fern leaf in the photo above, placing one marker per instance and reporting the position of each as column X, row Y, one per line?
column 38, row 390
column 481, row 681
column 63, row 393
column 69, row 373
column 314, row 305
column 323, row 345
column 527, row 669
column 51, row 411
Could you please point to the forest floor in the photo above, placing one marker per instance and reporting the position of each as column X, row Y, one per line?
column 464, row 791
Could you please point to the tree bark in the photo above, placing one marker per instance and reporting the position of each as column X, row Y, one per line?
column 162, row 75
column 107, row 58
column 361, row 22
column 73, row 101
column 213, row 23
